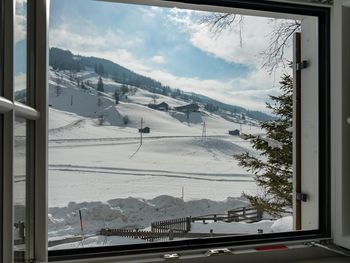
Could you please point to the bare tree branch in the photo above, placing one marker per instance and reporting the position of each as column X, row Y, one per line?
column 219, row 22
column 279, row 37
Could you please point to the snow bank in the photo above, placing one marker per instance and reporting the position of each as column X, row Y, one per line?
column 239, row 228
column 284, row 224
column 130, row 213
column 98, row 241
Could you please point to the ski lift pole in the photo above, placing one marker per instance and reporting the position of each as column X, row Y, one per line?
column 81, row 225
column 141, row 130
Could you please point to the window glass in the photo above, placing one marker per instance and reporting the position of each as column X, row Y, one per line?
column 168, row 124
column 20, row 183
column 20, row 51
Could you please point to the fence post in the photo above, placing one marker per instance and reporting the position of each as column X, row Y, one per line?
column 171, row 234
column 259, row 214
column 188, row 224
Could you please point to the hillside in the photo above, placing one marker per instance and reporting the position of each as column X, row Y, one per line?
column 65, row 60
column 98, row 165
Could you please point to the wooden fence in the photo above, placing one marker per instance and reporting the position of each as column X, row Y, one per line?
column 242, row 214
column 249, row 215
column 152, row 236
column 182, row 225
column 179, row 227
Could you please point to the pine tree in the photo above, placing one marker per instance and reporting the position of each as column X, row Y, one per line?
column 101, row 69
column 100, row 85
column 273, row 169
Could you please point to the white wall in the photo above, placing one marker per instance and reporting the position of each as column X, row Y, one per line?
column 340, row 110
column 309, row 124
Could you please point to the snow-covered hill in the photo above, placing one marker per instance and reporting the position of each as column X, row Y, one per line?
column 87, row 107
column 97, row 162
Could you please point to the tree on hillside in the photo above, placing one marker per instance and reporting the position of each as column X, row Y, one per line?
column 116, row 96
column 273, row 168
column 101, row 70
column 58, row 87
column 124, row 89
column 100, row 85
column 78, row 67
column 154, row 99
column 99, row 102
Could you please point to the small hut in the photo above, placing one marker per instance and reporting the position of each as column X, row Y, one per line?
column 145, row 130
column 234, row 132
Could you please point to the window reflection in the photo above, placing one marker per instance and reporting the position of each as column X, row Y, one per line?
column 20, row 183
column 20, row 51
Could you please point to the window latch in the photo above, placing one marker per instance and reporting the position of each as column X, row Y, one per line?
column 301, row 197
column 216, row 252
column 171, row 256
column 303, row 64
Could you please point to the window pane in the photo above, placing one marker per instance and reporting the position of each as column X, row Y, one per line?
column 20, row 182
column 20, row 51
column 159, row 129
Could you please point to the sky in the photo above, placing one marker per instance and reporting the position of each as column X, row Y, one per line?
column 20, row 39
column 172, row 46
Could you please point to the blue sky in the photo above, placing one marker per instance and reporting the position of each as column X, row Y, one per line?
column 20, row 38
column 169, row 45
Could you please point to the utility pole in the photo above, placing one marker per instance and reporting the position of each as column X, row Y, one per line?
column 81, row 228
column 183, row 193
column 204, row 131
column 141, row 131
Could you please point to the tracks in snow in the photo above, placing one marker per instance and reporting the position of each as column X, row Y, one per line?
column 68, row 126
column 215, row 177
column 86, row 142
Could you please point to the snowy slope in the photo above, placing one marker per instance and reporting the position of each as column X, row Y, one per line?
column 97, row 165
column 108, row 154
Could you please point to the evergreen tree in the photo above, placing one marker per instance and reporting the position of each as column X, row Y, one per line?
column 124, row 89
column 273, row 171
column 78, row 68
column 101, row 69
column 100, row 85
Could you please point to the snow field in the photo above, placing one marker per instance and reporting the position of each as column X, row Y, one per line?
column 96, row 164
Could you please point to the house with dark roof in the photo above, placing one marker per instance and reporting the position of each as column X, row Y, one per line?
column 193, row 107
column 161, row 106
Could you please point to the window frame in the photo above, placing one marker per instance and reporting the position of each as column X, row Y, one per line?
column 1, row 120
column 9, row 109
column 323, row 14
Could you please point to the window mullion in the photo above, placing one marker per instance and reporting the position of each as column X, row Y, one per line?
column 8, row 169
column 40, row 34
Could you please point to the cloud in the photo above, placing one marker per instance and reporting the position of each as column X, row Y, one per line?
column 93, row 40
column 158, row 59
column 250, row 91
column 20, row 81
column 229, row 44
